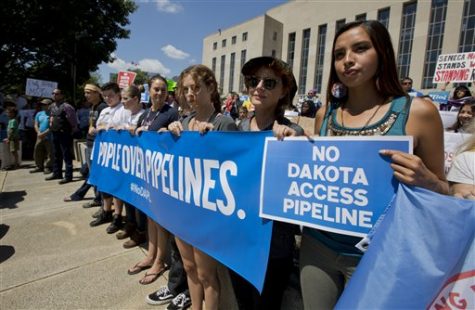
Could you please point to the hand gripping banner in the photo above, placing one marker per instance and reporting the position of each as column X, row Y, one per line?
column 202, row 188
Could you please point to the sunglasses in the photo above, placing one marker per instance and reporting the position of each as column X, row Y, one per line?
column 268, row 83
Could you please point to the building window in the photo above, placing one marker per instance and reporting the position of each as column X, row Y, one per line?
column 215, row 45
column 244, row 36
column 231, row 71
column 274, row 36
column 383, row 16
column 223, row 43
column 322, row 37
column 434, row 40
column 233, row 40
column 405, row 39
column 304, row 61
column 339, row 23
column 467, row 34
column 243, row 61
column 213, row 65
column 221, row 74
column 273, row 53
column 360, row 17
column 291, row 49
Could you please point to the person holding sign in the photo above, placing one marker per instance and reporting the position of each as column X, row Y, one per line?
column 197, row 85
column 271, row 87
column 365, row 98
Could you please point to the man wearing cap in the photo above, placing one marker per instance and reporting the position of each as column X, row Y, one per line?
column 42, row 152
column 63, row 123
column 92, row 93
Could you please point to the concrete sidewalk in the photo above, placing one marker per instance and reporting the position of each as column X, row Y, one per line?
column 50, row 258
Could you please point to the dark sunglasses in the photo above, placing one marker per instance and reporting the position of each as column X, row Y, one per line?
column 253, row 81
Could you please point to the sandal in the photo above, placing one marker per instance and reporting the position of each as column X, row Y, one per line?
column 137, row 269
column 153, row 276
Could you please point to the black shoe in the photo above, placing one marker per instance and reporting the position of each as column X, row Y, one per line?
column 92, row 204
column 97, row 214
column 65, row 180
column 53, row 177
column 36, row 170
column 180, row 302
column 115, row 225
column 104, row 217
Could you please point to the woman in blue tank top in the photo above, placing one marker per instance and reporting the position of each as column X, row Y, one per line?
column 365, row 98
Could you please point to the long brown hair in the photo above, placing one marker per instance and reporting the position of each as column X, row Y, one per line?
column 201, row 73
column 386, row 75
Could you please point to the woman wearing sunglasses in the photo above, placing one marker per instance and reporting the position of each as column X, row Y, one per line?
column 197, row 85
column 271, row 87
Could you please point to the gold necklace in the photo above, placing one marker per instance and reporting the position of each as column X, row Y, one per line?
column 367, row 122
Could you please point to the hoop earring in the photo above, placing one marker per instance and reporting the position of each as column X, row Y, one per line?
column 339, row 90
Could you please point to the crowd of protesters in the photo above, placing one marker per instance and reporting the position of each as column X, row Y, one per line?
column 362, row 99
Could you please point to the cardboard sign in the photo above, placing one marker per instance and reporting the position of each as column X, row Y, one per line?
column 40, row 88
column 125, row 78
column 458, row 68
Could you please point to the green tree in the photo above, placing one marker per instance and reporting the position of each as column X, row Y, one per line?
column 60, row 41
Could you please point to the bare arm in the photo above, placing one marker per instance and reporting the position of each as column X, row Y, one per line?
column 426, row 167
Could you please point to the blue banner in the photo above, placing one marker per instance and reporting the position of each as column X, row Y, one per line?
column 440, row 97
column 202, row 188
column 338, row 184
column 422, row 256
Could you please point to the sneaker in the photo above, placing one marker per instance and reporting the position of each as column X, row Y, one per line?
column 115, row 225
column 47, row 171
column 160, row 297
column 181, row 301
column 36, row 170
column 105, row 217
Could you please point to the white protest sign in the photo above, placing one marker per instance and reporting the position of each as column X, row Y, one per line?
column 452, row 141
column 39, row 88
column 455, row 68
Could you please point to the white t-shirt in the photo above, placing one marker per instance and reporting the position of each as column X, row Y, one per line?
column 463, row 168
column 134, row 119
column 114, row 116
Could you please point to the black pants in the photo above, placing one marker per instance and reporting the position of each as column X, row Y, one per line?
column 63, row 150
column 135, row 216
column 277, row 278
column 177, row 276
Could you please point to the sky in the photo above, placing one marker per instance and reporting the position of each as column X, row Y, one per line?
column 166, row 36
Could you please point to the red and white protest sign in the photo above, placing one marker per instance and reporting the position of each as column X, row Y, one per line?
column 458, row 68
column 125, row 78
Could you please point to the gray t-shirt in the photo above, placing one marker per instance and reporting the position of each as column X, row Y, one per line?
column 219, row 121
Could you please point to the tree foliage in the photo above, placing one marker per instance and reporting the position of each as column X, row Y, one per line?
column 60, row 41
